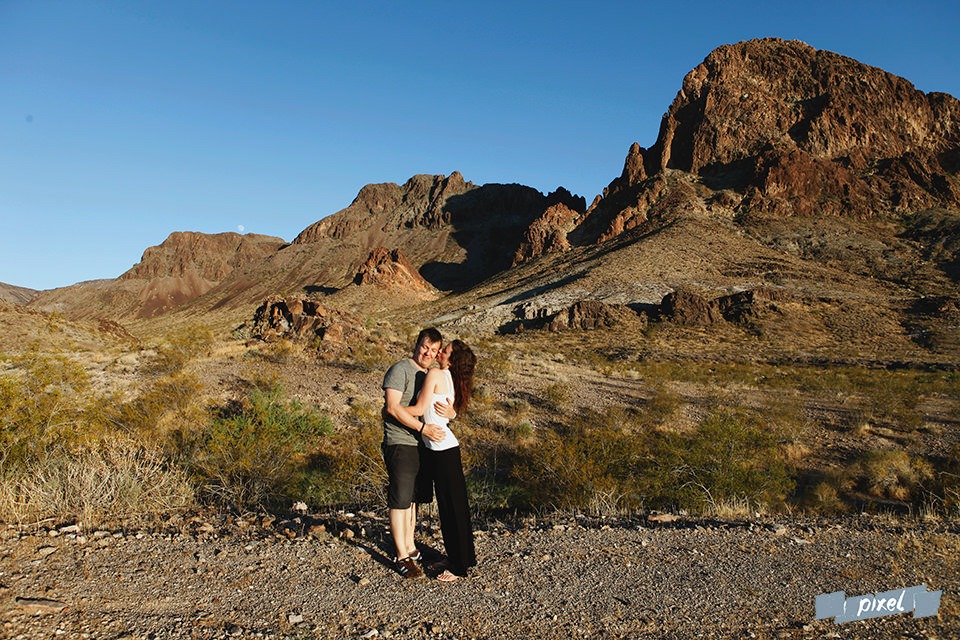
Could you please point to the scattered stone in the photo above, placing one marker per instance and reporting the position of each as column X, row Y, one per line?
column 46, row 551
column 294, row 618
column 662, row 517
column 41, row 606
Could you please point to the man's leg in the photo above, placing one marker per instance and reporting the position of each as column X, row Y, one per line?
column 402, row 531
column 410, row 529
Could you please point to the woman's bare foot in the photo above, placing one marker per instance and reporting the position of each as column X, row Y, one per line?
column 446, row 576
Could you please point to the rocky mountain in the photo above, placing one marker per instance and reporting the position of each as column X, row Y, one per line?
column 777, row 165
column 16, row 295
column 183, row 267
column 453, row 231
column 778, row 128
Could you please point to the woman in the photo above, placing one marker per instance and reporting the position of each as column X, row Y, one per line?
column 452, row 383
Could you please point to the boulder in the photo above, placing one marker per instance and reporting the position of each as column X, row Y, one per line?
column 304, row 319
column 689, row 309
column 591, row 314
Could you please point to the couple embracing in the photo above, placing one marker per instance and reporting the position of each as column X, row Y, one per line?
column 422, row 454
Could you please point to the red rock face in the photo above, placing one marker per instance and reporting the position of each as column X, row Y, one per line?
column 390, row 268
column 548, row 233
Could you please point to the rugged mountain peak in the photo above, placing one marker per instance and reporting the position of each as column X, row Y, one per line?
column 548, row 233
column 786, row 129
column 390, row 268
column 209, row 257
column 419, row 202
column 747, row 97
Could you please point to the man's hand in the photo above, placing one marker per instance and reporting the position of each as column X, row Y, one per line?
column 444, row 410
column 433, row 431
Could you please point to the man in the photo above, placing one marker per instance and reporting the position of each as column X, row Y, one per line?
column 402, row 446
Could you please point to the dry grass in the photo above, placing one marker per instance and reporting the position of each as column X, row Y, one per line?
column 117, row 479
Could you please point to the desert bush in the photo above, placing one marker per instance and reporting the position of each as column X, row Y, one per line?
column 163, row 407
column 494, row 364
column 42, row 401
column 893, row 474
column 177, row 349
column 942, row 491
column 254, row 452
column 732, row 455
column 588, row 465
column 348, row 466
column 556, row 395
column 661, row 405
column 615, row 460
column 369, row 355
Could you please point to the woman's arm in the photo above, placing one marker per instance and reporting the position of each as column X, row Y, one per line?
column 426, row 394
column 414, row 411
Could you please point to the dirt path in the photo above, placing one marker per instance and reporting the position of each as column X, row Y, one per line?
column 220, row 578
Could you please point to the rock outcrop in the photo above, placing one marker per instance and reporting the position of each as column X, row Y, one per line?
column 592, row 314
column 304, row 319
column 386, row 268
column 548, row 233
column 689, row 309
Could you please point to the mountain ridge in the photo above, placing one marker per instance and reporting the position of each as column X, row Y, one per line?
column 770, row 167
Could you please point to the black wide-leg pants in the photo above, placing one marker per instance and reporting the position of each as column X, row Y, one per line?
column 454, row 507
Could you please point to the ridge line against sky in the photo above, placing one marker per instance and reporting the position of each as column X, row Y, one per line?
column 122, row 122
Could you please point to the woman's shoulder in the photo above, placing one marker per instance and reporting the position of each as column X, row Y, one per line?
column 434, row 374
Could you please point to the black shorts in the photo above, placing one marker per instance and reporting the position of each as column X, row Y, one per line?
column 409, row 481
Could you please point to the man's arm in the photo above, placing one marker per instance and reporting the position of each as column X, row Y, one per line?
column 391, row 407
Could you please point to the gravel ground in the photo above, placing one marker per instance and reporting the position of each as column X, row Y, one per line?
column 563, row 577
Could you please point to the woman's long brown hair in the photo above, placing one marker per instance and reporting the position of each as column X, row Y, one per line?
column 462, row 363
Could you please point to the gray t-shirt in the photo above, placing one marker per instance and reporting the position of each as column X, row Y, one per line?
column 407, row 378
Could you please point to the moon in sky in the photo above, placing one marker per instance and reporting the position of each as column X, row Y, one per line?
column 241, row 228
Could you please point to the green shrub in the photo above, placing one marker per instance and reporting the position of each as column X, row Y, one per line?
column 254, row 453
column 587, row 466
column 42, row 400
column 348, row 466
column 732, row 455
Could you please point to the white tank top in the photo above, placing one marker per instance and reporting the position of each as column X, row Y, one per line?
column 430, row 416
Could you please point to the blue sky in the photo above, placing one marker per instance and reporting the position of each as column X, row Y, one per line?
column 121, row 122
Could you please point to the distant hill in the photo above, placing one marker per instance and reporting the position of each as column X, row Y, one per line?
column 184, row 266
column 16, row 295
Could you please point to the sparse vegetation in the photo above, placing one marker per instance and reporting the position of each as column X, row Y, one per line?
column 724, row 438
